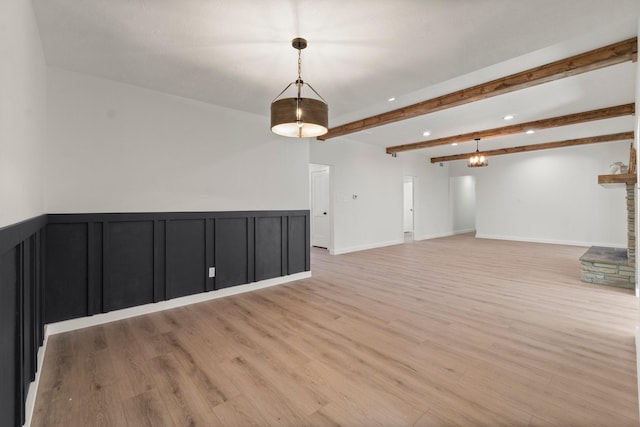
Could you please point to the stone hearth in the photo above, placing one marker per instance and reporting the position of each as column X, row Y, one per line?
column 607, row 266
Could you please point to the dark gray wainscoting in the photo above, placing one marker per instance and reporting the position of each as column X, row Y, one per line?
column 97, row 263
column 21, row 314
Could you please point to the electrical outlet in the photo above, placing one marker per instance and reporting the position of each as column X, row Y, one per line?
column 212, row 272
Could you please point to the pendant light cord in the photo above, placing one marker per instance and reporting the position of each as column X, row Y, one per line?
column 299, row 82
column 300, row 65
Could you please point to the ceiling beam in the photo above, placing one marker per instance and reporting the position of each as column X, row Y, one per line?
column 571, row 119
column 616, row 53
column 534, row 147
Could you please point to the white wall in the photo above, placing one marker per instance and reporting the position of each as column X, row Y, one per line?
column 431, row 205
column 22, row 113
column 551, row 196
column 463, row 203
column 120, row 148
column 375, row 217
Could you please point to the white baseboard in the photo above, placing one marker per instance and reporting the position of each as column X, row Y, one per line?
column 433, row 236
column 30, row 402
column 98, row 319
column 464, row 231
column 341, row 251
column 550, row 241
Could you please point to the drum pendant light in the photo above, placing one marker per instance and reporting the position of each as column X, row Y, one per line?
column 299, row 117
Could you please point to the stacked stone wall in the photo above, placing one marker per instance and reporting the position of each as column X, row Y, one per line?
column 631, row 225
column 622, row 276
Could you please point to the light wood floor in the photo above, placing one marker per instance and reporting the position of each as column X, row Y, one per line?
column 447, row 332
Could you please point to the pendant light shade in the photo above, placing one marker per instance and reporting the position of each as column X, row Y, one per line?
column 298, row 116
column 312, row 120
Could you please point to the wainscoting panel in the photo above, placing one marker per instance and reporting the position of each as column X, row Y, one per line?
column 298, row 240
column 269, row 247
column 159, row 258
column 128, row 264
column 185, row 246
column 9, row 387
column 232, row 251
column 21, row 314
column 66, row 274
column 95, row 270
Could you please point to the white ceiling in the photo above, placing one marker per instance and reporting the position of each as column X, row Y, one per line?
column 238, row 54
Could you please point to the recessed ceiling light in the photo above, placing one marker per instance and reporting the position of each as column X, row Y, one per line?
column 426, row 133
column 509, row 117
column 530, row 131
column 393, row 98
column 454, row 143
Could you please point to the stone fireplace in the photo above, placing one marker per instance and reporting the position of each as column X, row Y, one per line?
column 614, row 266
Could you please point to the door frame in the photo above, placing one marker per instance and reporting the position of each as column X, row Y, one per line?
column 329, row 168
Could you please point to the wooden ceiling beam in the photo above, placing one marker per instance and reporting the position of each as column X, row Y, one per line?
column 571, row 119
column 534, row 147
column 616, row 53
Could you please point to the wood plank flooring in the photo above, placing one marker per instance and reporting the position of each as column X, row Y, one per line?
column 447, row 332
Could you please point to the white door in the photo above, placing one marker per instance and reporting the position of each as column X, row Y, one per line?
column 320, row 208
column 408, row 207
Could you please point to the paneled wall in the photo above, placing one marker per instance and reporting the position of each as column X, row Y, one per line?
column 21, row 314
column 97, row 263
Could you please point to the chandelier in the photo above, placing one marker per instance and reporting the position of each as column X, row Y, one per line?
column 477, row 160
column 299, row 117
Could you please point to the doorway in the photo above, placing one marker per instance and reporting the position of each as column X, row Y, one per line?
column 407, row 208
column 462, row 190
column 320, row 195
